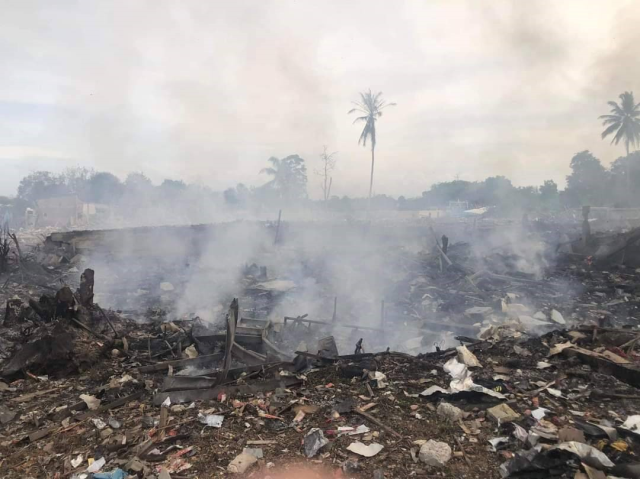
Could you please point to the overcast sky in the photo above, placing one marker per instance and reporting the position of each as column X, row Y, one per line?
column 206, row 91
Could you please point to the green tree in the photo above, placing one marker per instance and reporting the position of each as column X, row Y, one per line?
column 623, row 120
column 41, row 184
column 587, row 183
column 371, row 106
column 104, row 188
column 625, row 178
column 289, row 180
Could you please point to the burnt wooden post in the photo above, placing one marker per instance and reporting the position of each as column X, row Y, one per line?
column 275, row 240
column 586, row 227
column 85, row 291
column 335, row 309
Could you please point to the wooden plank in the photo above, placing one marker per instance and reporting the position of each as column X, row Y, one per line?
column 179, row 383
column 232, row 322
column 191, row 395
column 182, row 363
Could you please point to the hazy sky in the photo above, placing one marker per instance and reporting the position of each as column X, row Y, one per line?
column 206, row 91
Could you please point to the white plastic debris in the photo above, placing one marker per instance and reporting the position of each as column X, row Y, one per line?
column 365, row 450
column 588, row 454
column 520, row 433
column 435, row 453
column 557, row 317
column 539, row 413
column 554, row 392
column 543, row 365
column 467, row 358
column 99, row 423
column 461, row 377
column 166, row 286
column 167, row 402
column 92, row 402
column 632, row 423
column 461, row 381
column 77, row 461
column 496, row 441
column 97, row 465
column 380, row 378
column 211, row 420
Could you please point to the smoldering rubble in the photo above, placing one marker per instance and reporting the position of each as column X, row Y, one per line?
column 365, row 351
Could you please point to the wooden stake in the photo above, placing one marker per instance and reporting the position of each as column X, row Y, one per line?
column 335, row 309
column 275, row 240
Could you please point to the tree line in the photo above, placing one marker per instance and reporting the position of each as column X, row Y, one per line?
column 286, row 185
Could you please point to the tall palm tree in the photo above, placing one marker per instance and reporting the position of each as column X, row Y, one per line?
column 371, row 106
column 623, row 120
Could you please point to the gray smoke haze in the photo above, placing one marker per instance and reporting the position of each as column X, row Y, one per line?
column 207, row 92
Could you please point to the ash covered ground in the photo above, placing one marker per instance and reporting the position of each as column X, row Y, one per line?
column 248, row 349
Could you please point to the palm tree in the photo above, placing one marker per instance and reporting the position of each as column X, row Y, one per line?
column 371, row 105
column 623, row 120
column 289, row 177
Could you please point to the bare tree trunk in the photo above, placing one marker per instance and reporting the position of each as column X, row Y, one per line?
column 325, row 181
column 371, row 182
column 628, row 175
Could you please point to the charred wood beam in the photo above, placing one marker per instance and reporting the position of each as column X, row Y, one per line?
column 191, row 395
column 232, row 322
column 182, row 363
column 180, row 383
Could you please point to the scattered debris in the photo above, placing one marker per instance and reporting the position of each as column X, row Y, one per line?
column 365, row 450
column 314, row 440
column 242, row 463
column 435, row 453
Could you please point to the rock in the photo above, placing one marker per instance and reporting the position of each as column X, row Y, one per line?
column 164, row 474
column 92, row 402
column 6, row 415
column 134, row 465
column 435, row 453
column 557, row 317
column 467, row 358
column 241, row 463
column 256, row 452
column 314, row 441
column 502, row 414
column 350, row 466
column 449, row 412
column 191, row 352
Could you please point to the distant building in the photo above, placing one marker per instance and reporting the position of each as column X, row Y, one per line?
column 66, row 211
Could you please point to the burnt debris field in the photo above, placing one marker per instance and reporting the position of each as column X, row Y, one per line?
column 365, row 350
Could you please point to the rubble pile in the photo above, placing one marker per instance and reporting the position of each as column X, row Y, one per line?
column 557, row 405
column 483, row 363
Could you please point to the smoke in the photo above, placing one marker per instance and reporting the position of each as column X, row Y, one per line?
column 189, row 91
